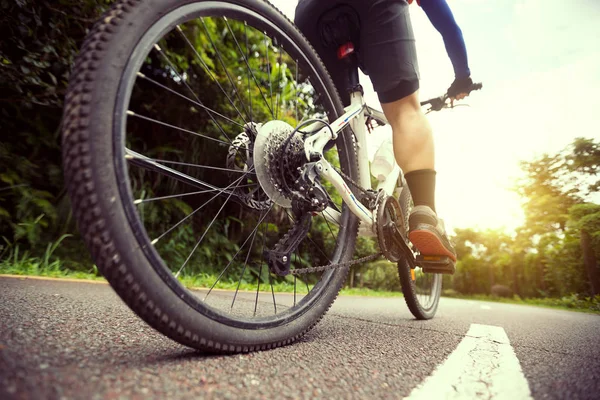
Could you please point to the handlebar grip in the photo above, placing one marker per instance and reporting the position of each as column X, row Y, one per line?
column 436, row 100
column 477, row 86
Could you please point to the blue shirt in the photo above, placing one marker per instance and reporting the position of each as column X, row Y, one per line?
column 441, row 17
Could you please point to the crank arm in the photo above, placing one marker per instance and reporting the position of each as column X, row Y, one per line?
column 401, row 241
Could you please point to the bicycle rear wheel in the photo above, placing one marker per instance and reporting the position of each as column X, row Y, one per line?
column 159, row 134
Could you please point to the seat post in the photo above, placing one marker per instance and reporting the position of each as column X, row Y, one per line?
column 347, row 54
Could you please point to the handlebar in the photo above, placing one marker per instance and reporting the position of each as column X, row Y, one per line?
column 439, row 103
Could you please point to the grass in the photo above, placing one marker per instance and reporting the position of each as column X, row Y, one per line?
column 14, row 262
column 19, row 263
column 33, row 268
column 36, row 267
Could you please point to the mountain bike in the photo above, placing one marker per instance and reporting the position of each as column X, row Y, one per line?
column 217, row 180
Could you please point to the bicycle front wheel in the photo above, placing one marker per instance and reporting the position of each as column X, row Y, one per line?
column 159, row 141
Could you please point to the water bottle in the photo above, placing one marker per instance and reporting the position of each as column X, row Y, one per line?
column 384, row 160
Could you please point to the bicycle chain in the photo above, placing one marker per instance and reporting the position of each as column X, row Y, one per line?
column 321, row 268
column 347, row 264
column 351, row 181
column 310, row 270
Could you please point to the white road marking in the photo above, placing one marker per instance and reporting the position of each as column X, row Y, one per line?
column 484, row 307
column 483, row 365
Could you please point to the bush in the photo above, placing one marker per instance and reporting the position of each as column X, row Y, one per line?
column 39, row 42
column 381, row 275
column 501, row 291
column 450, row 293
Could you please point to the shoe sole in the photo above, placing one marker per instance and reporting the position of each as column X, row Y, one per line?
column 429, row 244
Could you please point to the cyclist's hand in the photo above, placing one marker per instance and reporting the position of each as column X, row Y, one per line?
column 459, row 96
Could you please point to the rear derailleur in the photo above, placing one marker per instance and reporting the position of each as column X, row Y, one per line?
column 308, row 199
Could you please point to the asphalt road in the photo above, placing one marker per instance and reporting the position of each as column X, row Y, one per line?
column 78, row 340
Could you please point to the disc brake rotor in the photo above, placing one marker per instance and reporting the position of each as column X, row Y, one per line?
column 239, row 159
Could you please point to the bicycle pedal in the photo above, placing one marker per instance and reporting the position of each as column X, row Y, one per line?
column 436, row 264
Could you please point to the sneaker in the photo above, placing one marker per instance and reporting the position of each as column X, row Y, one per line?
column 428, row 235
column 462, row 85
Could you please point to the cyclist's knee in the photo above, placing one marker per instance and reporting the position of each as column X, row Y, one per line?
column 406, row 107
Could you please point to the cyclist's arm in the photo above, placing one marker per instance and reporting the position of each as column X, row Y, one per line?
column 441, row 17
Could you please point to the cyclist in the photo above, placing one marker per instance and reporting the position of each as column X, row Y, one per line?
column 441, row 17
column 382, row 33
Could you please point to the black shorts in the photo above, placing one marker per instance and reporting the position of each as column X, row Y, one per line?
column 386, row 45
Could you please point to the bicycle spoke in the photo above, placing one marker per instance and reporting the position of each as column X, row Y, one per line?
column 236, row 254
column 295, row 279
column 273, row 293
column 203, row 235
column 198, row 102
column 247, row 63
column 269, row 70
column 237, row 171
column 261, row 269
column 220, row 58
column 153, row 242
column 278, row 96
column 147, row 163
column 173, row 196
column 203, row 64
column 209, row 110
column 244, row 269
column 133, row 114
column 328, row 227
column 296, row 93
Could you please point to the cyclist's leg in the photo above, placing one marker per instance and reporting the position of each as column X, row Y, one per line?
column 389, row 56
column 413, row 138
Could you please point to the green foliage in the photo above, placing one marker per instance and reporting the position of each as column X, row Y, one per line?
column 39, row 42
column 15, row 261
column 587, row 217
column 381, row 275
column 544, row 258
column 585, row 159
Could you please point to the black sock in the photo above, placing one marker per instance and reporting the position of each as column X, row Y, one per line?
column 421, row 184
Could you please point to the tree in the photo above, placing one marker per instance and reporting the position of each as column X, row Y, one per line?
column 40, row 40
column 585, row 159
column 554, row 189
column 586, row 218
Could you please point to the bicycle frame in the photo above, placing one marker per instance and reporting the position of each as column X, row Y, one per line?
column 355, row 117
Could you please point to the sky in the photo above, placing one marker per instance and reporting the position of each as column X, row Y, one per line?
column 539, row 62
